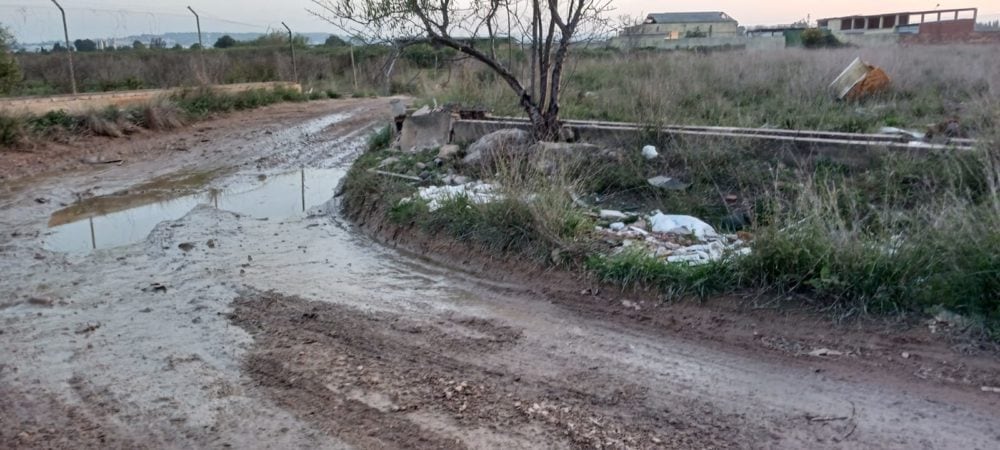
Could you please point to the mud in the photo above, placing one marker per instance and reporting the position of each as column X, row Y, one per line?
column 217, row 328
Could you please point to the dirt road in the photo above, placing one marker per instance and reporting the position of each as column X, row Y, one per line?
column 214, row 297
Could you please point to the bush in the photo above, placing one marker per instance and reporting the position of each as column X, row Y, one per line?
column 12, row 133
column 10, row 73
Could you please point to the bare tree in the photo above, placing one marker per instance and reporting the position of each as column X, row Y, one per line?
column 548, row 28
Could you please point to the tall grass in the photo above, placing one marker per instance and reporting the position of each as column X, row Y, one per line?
column 786, row 88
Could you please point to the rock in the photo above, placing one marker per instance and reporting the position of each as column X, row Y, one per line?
column 649, row 152
column 612, row 214
column 398, row 107
column 459, row 179
column 678, row 224
column 506, row 141
column 547, row 157
column 825, row 352
column 449, row 151
column 388, row 161
column 186, row 246
column 425, row 175
column 617, row 226
column 421, row 166
column 668, row 183
column 423, row 111
column 438, row 162
column 426, row 130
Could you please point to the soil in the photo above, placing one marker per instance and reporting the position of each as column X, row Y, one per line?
column 223, row 329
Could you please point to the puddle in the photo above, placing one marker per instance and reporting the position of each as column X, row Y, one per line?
column 272, row 197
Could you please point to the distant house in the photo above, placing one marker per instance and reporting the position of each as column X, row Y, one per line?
column 683, row 25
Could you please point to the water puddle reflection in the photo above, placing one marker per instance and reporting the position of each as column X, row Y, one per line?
column 103, row 223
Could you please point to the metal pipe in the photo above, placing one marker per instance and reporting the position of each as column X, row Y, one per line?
column 69, row 50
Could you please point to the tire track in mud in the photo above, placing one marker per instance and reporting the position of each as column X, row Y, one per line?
column 390, row 381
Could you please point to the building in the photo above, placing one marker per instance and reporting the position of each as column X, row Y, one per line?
column 682, row 25
column 704, row 29
column 938, row 25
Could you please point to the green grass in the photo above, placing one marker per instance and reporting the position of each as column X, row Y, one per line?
column 885, row 234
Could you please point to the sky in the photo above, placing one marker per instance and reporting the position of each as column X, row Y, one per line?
column 38, row 20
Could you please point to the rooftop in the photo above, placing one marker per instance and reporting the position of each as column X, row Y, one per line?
column 689, row 17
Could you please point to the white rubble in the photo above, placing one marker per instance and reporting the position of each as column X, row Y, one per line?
column 477, row 192
column 669, row 238
column 678, row 224
column 649, row 152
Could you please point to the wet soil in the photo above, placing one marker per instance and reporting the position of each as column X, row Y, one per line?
column 269, row 323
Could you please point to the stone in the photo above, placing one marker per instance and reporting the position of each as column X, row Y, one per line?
column 421, row 166
column 485, row 149
column 649, row 152
column 425, row 175
column 388, row 161
column 449, row 151
column 398, row 107
column 668, row 183
column 425, row 131
column 547, row 157
column 617, row 226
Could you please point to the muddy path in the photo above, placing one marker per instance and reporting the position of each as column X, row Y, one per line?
column 215, row 297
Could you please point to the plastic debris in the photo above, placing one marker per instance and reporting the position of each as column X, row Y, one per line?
column 860, row 80
column 676, row 224
column 649, row 152
column 476, row 192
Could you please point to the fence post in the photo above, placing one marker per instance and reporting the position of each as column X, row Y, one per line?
column 291, row 46
column 201, row 46
column 69, row 50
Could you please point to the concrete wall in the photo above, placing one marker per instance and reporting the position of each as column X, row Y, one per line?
column 755, row 43
column 89, row 102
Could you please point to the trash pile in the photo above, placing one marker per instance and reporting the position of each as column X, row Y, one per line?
column 674, row 238
column 477, row 192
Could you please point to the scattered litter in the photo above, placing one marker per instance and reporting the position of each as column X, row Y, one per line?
column 476, row 192
column 612, row 214
column 995, row 390
column 674, row 238
column 665, row 182
column 630, row 304
column 902, row 132
column 396, row 175
column 860, row 80
column 825, row 352
column 649, row 152
column 905, row 355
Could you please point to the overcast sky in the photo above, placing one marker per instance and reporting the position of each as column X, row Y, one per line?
column 38, row 20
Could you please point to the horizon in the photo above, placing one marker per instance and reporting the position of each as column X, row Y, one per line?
column 116, row 19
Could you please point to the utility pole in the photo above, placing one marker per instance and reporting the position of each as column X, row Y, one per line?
column 291, row 46
column 69, row 50
column 201, row 48
column 197, row 21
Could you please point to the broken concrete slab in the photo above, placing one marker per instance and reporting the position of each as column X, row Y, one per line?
column 547, row 157
column 431, row 129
